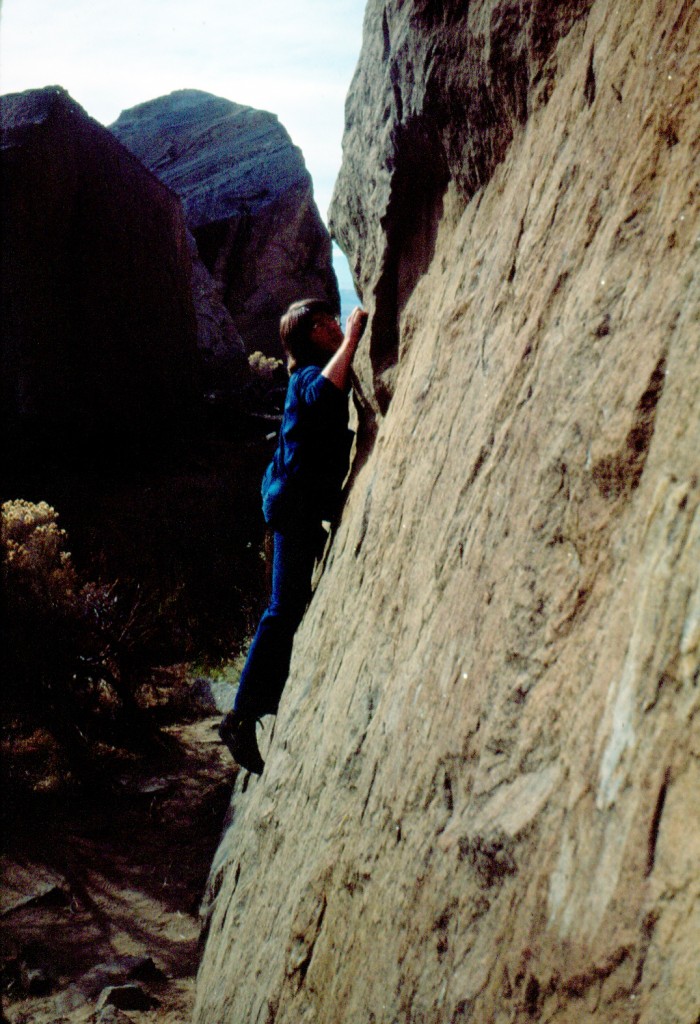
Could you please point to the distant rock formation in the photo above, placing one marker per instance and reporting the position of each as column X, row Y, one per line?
column 482, row 795
column 98, row 326
column 248, row 199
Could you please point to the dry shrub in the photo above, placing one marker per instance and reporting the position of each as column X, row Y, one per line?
column 37, row 570
column 267, row 369
column 268, row 384
column 66, row 644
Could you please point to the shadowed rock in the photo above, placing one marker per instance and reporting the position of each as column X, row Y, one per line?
column 99, row 334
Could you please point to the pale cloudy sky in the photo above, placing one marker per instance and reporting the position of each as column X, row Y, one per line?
column 293, row 57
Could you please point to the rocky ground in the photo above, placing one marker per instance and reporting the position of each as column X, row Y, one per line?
column 100, row 895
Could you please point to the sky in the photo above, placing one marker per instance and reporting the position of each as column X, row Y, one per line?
column 295, row 59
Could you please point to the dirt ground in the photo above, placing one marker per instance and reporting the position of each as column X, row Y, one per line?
column 106, row 892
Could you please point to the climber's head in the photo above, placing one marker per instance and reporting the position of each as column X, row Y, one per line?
column 310, row 333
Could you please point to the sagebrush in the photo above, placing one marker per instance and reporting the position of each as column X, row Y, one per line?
column 66, row 642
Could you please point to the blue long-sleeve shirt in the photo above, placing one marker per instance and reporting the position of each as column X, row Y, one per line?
column 302, row 484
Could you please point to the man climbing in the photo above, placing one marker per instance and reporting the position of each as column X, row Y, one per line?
column 301, row 488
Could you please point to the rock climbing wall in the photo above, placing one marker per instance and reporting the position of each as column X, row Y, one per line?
column 482, row 792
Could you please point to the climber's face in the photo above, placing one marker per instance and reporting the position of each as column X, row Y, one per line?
column 326, row 333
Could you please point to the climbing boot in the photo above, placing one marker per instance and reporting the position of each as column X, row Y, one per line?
column 237, row 732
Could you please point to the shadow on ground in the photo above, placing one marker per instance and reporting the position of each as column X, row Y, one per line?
column 123, row 874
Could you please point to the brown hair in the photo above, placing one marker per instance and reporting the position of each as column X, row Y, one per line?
column 295, row 332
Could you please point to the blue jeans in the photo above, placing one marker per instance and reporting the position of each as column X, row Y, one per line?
column 267, row 665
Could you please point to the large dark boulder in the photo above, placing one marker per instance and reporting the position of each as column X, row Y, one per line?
column 99, row 333
column 248, row 199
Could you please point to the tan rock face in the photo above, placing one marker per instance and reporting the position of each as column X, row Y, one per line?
column 449, row 87
column 482, row 795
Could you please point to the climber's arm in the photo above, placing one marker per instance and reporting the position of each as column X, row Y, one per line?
column 337, row 369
